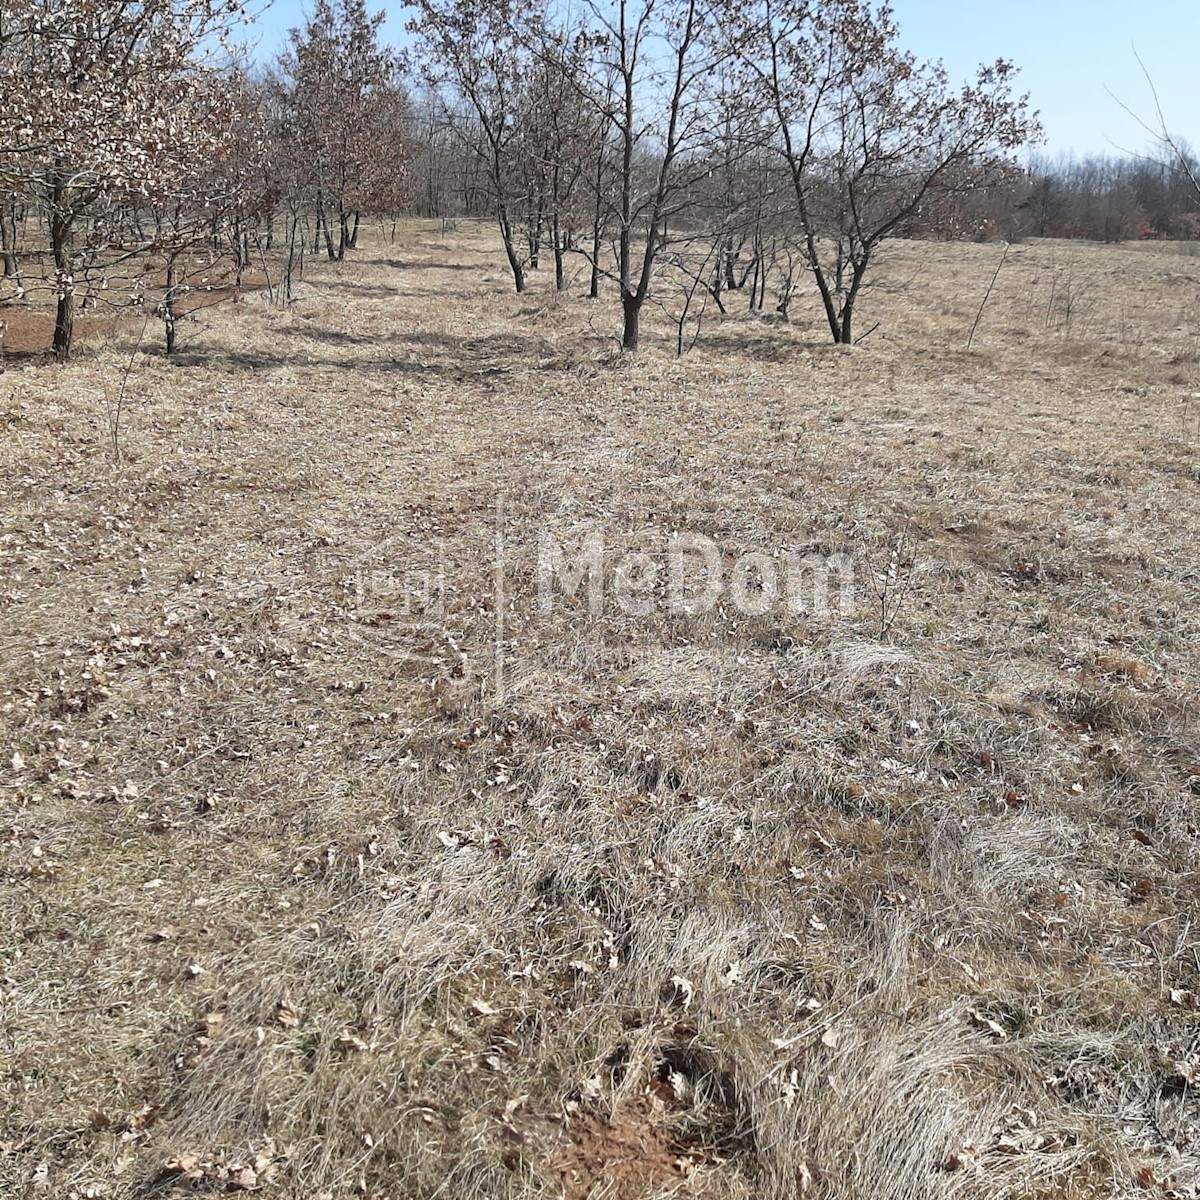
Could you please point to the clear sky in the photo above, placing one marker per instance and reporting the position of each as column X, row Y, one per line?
column 1069, row 52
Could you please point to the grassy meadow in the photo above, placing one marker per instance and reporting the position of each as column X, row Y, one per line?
column 333, row 863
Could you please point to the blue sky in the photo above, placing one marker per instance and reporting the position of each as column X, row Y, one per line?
column 1069, row 52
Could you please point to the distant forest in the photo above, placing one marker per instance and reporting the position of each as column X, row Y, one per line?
column 1102, row 198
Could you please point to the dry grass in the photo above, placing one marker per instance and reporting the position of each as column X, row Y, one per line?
column 295, row 899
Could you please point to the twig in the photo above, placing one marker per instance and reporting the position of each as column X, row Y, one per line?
column 114, row 417
column 988, row 294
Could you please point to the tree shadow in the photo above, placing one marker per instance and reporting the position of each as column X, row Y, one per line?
column 418, row 352
column 369, row 291
column 396, row 264
column 773, row 345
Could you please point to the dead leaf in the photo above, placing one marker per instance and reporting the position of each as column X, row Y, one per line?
column 681, row 991
column 982, row 1021
column 286, row 1015
column 349, row 1042
column 1143, row 889
column 967, row 1155
column 805, row 1178
column 245, row 1179
column 210, row 1024
column 184, row 1164
column 1189, row 1071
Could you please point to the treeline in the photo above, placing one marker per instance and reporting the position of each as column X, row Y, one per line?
column 1093, row 198
column 703, row 151
column 1111, row 199
column 1101, row 199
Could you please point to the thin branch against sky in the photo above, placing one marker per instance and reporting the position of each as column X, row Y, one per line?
column 1075, row 57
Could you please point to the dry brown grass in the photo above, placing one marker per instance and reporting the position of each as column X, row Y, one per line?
column 725, row 907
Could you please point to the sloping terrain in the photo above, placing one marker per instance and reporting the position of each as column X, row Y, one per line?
column 342, row 856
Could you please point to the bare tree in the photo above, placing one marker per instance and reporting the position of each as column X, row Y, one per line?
column 99, row 102
column 212, row 203
column 347, row 116
column 561, row 132
column 655, row 60
column 475, row 55
column 868, row 135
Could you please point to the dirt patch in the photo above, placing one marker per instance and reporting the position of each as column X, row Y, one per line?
column 644, row 1148
column 26, row 334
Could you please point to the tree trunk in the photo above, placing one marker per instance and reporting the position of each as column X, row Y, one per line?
column 64, row 324
column 559, row 275
column 537, row 223
column 846, row 337
column 343, row 234
column 594, row 284
column 169, row 306
column 8, row 242
column 60, row 239
column 510, row 251
column 631, row 306
column 324, row 233
column 827, row 301
column 288, row 286
column 353, row 243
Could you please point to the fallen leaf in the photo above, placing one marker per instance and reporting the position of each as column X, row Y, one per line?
column 966, row 1156
column 684, row 992
column 348, row 1042
column 805, row 1179
column 245, row 1179
column 286, row 1015
column 1143, row 889
column 210, row 1024
column 982, row 1021
column 184, row 1164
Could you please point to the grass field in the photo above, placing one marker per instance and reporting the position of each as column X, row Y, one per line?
column 328, row 869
